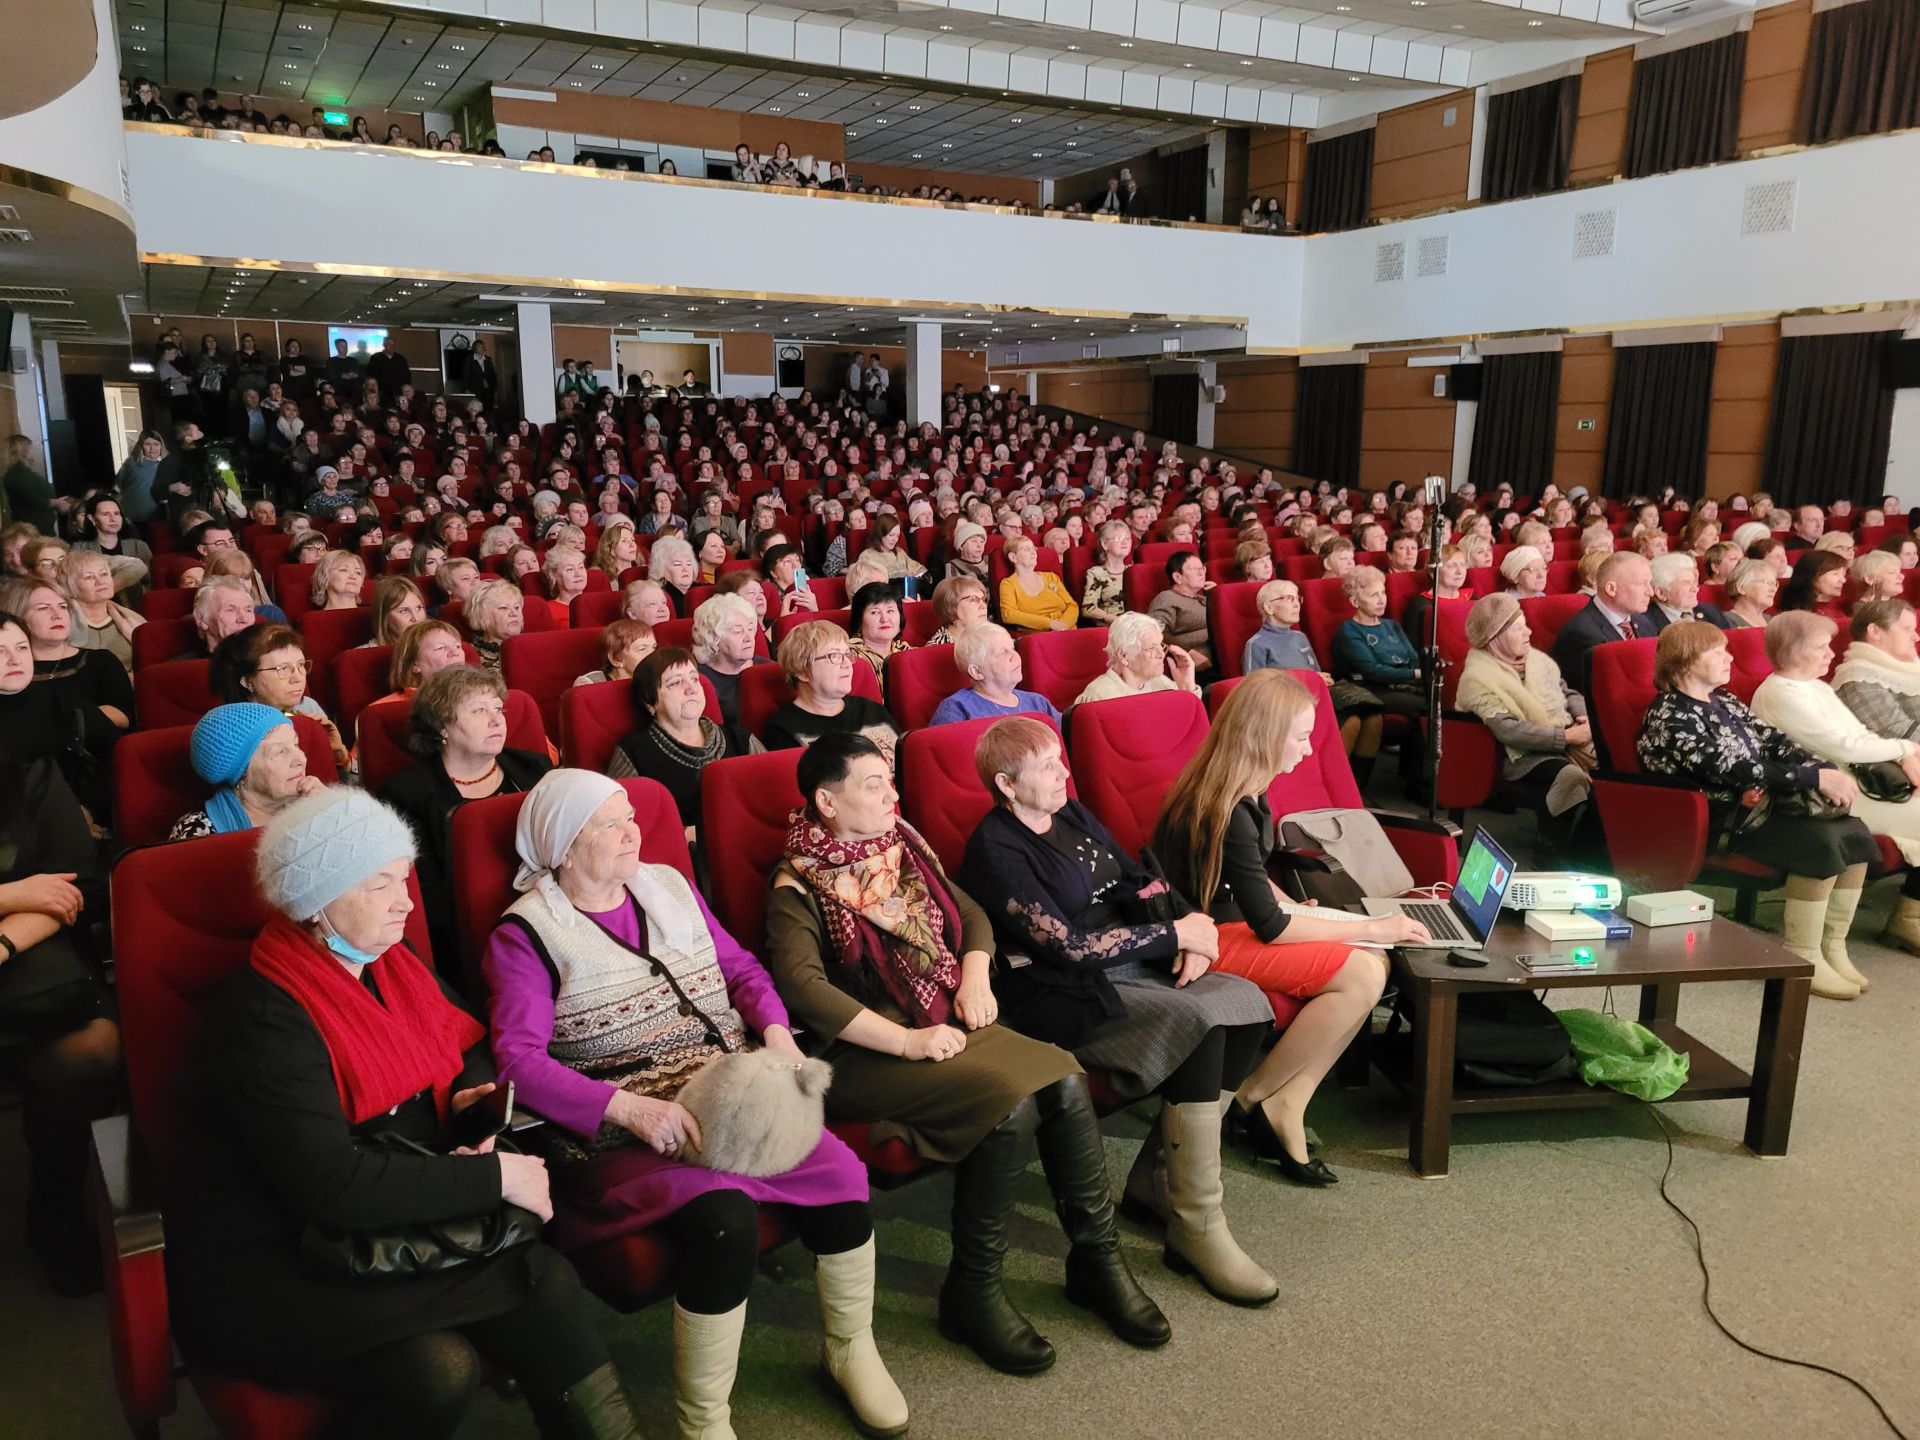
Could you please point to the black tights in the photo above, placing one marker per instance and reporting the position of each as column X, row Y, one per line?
column 719, row 1234
column 1219, row 1062
column 1910, row 887
column 419, row 1388
column 67, row 1083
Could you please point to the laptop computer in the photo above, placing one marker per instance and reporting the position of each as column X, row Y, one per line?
column 1464, row 921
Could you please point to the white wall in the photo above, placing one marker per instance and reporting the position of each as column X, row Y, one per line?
column 77, row 137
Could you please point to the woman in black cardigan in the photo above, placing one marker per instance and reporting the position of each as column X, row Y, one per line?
column 1116, row 972
column 459, row 731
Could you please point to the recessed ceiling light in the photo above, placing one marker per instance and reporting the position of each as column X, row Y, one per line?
column 431, row 84
column 139, row 49
column 594, row 65
column 1535, row 24
column 1073, row 47
column 913, row 107
column 461, row 48
column 918, row 156
column 946, row 144
column 773, row 110
column 1072, row 143
column 1126, row 44
column 1353, row 79
column 289, row 65
column 946, row 27
column 577, row 84
column 1014, row 118
column 442, row 65
column 804, row 94
column 1186, row 64
column 139, row 29
column 1038, row 154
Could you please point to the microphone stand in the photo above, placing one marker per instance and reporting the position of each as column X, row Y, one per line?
column 1430, row 644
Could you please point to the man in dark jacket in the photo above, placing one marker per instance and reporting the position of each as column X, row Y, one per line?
column 1624, row 589
column 1676, row 593
column 482, row 376
column 390, row 370
column 29, row 493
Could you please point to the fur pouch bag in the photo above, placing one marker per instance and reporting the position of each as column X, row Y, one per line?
column 759, row 1113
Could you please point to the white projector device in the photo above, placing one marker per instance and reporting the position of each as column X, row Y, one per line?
column 1561, row 890
column 1670, row 907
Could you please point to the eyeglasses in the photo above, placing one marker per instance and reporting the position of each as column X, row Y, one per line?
column 286, row 669
column 835, row 658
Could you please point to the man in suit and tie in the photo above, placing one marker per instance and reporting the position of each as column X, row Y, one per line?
column 1623, row 590
column 1676, row 593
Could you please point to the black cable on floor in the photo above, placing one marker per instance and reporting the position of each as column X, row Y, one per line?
column 1706, row 1291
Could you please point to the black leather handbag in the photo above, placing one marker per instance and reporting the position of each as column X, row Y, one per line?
column 424, row 1249
column 1883, row 780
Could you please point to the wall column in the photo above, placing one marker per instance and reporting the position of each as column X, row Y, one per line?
column 923, row 373
column 533, row 330
column 1903, row 450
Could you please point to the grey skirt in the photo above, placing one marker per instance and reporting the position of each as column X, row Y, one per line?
column 1164, row 1025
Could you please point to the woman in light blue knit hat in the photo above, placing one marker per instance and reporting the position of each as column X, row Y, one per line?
column 334, row 1093
column 250, row 753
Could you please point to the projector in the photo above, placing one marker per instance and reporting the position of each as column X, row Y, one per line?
column 1561, row 890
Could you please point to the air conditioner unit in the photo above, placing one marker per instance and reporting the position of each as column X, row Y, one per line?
column 1669, row 14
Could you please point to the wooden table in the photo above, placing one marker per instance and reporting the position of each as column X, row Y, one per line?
column 1659, row 961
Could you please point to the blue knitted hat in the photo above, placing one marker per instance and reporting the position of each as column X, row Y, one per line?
column 226, row 737
column 321, row 846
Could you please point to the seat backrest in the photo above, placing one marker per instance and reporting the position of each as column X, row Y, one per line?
column 1233, row 618
column 383, row 736
column 593, row 718
column 171, row 604
column 918, row 680
column 154, row 783
column 327, row 633
column 1452, row 618
column 786, row 624
column 1750, row 664
column 159, row 641
column 546, row 663
column 940, row 791
column 1324, row 779
column 918, row 621
column 1547, row 613
column 745, row 805
column 173, row 693
column 359, row 679
column 484, row 862
column 1324, row 608
column 176, row 939
column 594, row 609
column 1141, row 582
column 1126, row 754
column 293, row 590
column 1059, row 664
column 1620, row 675
column 1402, row 586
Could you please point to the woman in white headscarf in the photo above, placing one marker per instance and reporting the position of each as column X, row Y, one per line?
column 611, row 986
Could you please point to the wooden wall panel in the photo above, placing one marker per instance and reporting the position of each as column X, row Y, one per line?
column 1770, row 90
column 587, row 342
column 1600, row 129
column 1586, row 392
column 1275, row 158
column 1742, row 401
column 626, row 118
column 1005, row 189
column 1120, row 395
column 746, row 352
column 1419, row 160
column 1256, row 420
column 826, row 367
column 1406, row 432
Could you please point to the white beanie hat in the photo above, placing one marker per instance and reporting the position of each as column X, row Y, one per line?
column 323, row 845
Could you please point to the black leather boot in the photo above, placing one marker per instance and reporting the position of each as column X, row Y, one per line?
column 1076, row 1164
column 595, row 1408
column 974, row 1308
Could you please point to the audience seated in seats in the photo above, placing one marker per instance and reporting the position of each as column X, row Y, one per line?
column 1517, row 692
column 336, row 1053
column 1375, row 652
column 888, row 966
column 1214, row 836
column 1878, row 679
column 875, row 627
column 1818, row 581
column 818, row 659
column 1117, row 975
column 968, row 557
column 1280, row 644
column 58, row 1050
column 1103, row 598
column 677, row 742
column 1768, row 799
column 220, row 608
column 960, row 603
column 36, row 720
column 338, row 580
column 611, row 985
column 1452, row 585
column 623, row 644
column 495, row 613
column 712, row 552
column 268, row 664
column 888, row 547
column 1876, row 574
column 1139, row 660
column 671, row 566
column 100, row 621
column 725, row 630
column 783, row 565
column 986, row 655
column 1676, row 593
column 646, row 600
column 251, row 755
column 1751, row 591
column 1617, row 611
column 106, row 533
column 1033, row 599
column 89, row 683
column 1524, row 568
column 1181, row 608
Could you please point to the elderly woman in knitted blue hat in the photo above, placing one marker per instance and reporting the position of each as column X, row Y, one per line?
column 251, row 755
column 331, row 1090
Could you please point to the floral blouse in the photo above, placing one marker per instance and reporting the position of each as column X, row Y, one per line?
column 1103, row 591
column 1718, row 745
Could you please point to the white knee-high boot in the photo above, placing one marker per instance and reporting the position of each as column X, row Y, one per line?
column 852, row 1361
column 706, row 1357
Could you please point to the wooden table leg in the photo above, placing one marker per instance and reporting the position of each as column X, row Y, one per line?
column 1435, row 1015
column 1776, row 1065
column 1659, row 1002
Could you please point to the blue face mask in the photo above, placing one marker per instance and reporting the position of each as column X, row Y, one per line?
column 347, row 952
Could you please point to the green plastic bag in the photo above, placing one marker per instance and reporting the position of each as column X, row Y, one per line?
column 1623, row 1055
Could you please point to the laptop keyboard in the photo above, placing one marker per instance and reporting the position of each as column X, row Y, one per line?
column 1438, row 919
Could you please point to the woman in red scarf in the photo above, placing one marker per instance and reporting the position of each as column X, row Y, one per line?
column 335, row 1034
column 885, row 963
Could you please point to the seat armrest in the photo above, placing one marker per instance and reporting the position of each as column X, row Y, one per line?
column 132, row 1254
column 1657, row 829
column 135, row 1227
column 1430, row 849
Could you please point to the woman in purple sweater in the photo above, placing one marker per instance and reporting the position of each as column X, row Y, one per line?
column 611, row 986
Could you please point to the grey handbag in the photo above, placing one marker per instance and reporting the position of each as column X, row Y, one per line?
column 1354, row 839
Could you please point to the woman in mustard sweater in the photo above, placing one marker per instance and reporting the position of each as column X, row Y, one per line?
column 1033, row 599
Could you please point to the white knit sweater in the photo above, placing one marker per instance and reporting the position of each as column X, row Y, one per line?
column 1811, row 714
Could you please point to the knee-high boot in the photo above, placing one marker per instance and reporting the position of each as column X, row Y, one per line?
column 1075, row 1159
column 706, row 1357
column 1198, row 1240
column 852, row 1361
column 1842, row 906
column 1803, row 929
column 593, row 1408
column 974, row 1308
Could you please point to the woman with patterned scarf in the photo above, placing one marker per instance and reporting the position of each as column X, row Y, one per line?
column 886, row 965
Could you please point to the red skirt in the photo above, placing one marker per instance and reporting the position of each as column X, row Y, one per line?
column 1300, row 970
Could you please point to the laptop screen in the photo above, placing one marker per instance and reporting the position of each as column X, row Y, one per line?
column 1485, row 873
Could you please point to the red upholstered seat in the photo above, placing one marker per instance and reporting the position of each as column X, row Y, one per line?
column 1141, row 582
column 1546, row 614
column 170, row 604
column 764, row 689
column 383, row 734
column 1126, row 754
column 327, row 633
column 1750, row 664
column 940, row 791
column 159, row 641
column 594, row 609
column 293, row 590
column 594, row 718
column 1233, row 618
column 1621, row 677
column 546, row 664
column 359, row 679
column 918, row 680
column 1059, row 664
column 174, row 693
column 154, row 783
column 1323, row 610
column 745, row 803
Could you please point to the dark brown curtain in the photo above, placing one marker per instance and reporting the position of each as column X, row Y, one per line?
column 1183, row 185
column 1326, row 435
column 1684, row 109
column 1174, row 406
column 1657, row 421
column 1862, row 74
column 1513, row 430
column 1530, row 140
column 1832, row 418
column 1338, row 183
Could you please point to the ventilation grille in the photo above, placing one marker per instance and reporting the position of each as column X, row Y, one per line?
column 1170, row 347
column 1430, row 258
column 1389, row 261
column 1089, row 352
column 1769, row 208
column 34, row 295
column 1593, row 234
column 9, row 215
column 14, row 235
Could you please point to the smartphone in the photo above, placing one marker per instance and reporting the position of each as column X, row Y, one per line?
column 800, row 577
column 500, row 1107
